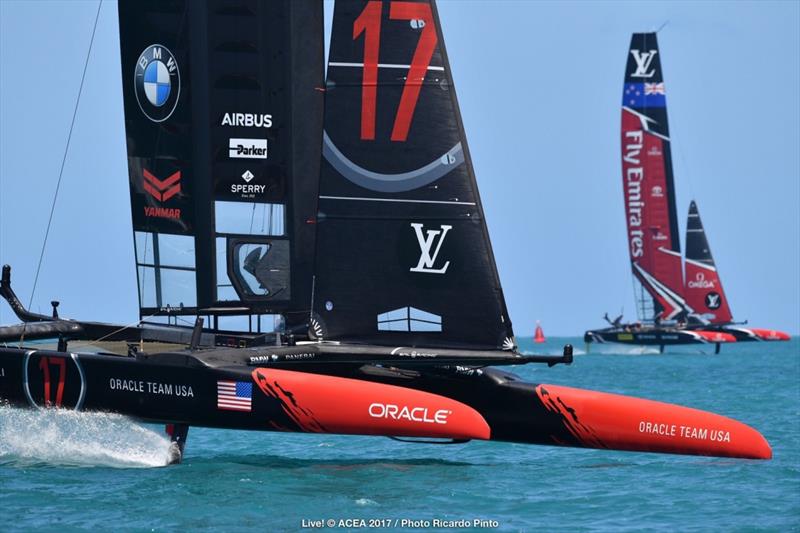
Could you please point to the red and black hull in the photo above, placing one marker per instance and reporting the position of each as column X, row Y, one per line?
column 437, row 402
column 652, row 336
column 747, row 334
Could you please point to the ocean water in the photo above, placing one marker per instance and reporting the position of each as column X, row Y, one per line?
column 71, row 471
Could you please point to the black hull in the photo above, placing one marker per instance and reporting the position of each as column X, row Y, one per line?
column 458, row 403
column 648, row 337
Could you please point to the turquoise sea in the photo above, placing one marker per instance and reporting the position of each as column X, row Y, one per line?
column 72, row 471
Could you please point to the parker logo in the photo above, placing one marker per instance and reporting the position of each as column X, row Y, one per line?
column 162, row 190
column 426, row 243
column 700, row 282
column 247, row 149
column 412, row 414
column 643, row 61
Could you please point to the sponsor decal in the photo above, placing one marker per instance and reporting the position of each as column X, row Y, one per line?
column 150, row 387
column 157, row 82
column 256, row 359
column 430, row 243
column 643, row 61
column 654, row 88
column 700, row 282
column 161, row 190
column 52, row 381
column 409, row 319
column 657, row 191
column 713, row 300
column 686, row 432
column 247, row 189
column 634, row 175
column 643, row 95
column 247, row 120
column 654, row 151
column 413, row 354
column 297, row 356
column 247, row 148
column 234, row 396
column 413, row 414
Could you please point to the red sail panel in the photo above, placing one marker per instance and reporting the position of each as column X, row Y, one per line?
column 704, row 293
column 703, row 289
column 656, row 264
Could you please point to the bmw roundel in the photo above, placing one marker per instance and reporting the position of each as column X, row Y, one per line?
column 157, row 82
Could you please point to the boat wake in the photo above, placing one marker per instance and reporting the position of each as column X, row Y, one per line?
column 70, row 438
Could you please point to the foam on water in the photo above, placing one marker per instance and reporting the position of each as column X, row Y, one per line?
column 62, row 437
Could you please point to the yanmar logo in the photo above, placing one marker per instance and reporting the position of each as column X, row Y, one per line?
column 412, row 414
column 162, row 190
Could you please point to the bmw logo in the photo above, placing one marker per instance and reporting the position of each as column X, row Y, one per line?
column 157, row 82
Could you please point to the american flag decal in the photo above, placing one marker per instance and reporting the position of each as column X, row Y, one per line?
column 234, row 396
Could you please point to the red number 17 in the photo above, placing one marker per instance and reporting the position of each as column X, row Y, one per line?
column 44, row 365
column 369, row 24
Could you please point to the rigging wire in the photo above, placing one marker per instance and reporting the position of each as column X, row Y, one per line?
column 63, row 163
column 66, row 151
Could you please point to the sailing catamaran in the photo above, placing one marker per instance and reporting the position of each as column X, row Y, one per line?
column 349, row 207
column 672, row 309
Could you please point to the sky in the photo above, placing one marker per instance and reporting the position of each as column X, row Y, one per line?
column 539, row 85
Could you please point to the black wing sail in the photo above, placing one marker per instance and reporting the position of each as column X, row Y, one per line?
column 403, row 252
column 223, row 119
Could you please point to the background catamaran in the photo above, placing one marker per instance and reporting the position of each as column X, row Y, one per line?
column 672, row 308
column 349, row 207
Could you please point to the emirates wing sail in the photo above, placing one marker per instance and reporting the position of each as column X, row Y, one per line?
column 703, row 288
column 403, row 252
column 648, row 186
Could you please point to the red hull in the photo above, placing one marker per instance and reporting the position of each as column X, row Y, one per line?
column 602, row 420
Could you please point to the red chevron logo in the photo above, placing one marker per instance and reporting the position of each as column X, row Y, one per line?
column 162, row 190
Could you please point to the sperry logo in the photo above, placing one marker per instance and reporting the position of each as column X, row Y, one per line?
column 643, row 61
column 427, row 241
